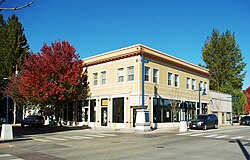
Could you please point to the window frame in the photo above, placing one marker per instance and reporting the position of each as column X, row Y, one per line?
column 129, row 75
column 176, row 81
column 103, row 78
column 155, row 76
column 120, row 71
column 95, row 79
column 170, row 79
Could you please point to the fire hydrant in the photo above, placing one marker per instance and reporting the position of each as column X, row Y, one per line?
column 114, row 126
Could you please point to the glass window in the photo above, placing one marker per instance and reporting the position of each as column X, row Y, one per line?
column 193, row 84
column 170, row 78
column 131, row 73
column 176, row 80
column 120, row 75
column 92, row 110
column 147, row 71
column 187, row 83
column 200, row 85
column 155, row 75
column 205, row 85
column 95, row 78
column 118, row 110
column 103, row 77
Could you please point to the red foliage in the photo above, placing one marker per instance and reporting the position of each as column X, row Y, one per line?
column 247, row 94
column 51, row 75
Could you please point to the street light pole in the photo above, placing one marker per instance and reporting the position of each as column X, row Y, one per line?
column 7, row 109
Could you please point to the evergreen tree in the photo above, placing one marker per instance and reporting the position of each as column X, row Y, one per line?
column 224, row 60
column 13, row 46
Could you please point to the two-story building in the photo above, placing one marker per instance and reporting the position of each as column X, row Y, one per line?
column 171, row 88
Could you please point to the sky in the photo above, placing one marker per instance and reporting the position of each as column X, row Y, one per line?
column 176, row 27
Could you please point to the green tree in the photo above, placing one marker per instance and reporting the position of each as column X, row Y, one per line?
column 13, row 46
column 224, row 60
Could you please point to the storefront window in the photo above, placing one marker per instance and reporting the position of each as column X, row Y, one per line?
column 166, row 110
column 118, row 110
column 92, row 110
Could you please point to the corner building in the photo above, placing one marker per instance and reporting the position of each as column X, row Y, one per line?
column 115, row 82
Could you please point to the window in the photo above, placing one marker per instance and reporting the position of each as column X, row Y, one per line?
column 120, row 75
column 155, row 75
column 193, row 84
column 103, row 77
column 147, row 70
column 95, row 78
column 118, row 110
column 205, row 86
column 131, row 73
column 187, row 83
column 176, row 80
column 170, row 78
column 200, row 85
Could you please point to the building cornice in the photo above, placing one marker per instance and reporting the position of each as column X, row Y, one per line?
column 150, row 53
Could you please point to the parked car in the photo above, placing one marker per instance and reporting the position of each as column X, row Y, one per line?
column 245, row 120
column 33, row 120
column 204, row 122
column 235, row 119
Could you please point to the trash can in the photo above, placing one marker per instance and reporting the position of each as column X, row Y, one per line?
column 183, row 126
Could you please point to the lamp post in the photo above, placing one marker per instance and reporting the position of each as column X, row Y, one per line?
column 142, row 116
column 203, row 94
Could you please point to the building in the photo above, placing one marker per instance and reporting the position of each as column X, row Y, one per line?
column 173, row 88
column 221, row 105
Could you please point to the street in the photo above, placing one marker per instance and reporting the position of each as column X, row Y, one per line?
column 231, row 142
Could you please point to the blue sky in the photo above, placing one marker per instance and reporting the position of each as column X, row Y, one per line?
column 176, row 27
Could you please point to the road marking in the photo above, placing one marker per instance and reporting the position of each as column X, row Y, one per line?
column 106, row 134
column 77, row 137
column 199, row 134
column 5, row 155
column 56, row 138
column 213, row 135
column 9, row 155
column 182, row 134
column 223, row 136
column 41, row 140
column 92, row 135
column 239, row 137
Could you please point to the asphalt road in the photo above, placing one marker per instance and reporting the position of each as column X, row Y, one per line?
column 225, row 143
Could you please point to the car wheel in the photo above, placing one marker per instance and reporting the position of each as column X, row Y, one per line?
column 205, row 127
column 216, row 126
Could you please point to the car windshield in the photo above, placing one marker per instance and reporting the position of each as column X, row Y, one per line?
column 203, row 117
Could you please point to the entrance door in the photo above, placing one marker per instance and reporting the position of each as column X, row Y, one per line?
column 134, row 117
column 104, row 116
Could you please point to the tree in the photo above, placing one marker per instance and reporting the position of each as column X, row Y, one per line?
column 247, row 95
column 53, row 76
column 223, row 58
column 13, row 47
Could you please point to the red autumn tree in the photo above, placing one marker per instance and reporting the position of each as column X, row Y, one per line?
column 247, row 94
column 51, row 77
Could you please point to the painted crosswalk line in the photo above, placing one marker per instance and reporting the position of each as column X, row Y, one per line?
column 239, row 137
column 212, row 135
column 222, row 136
column 94, row 135
column 182, row 134
column 77, row 137
column 41, row 140
column 10, row 157
column 199, row 134
column 56, row 138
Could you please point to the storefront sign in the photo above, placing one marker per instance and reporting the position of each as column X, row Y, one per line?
column 104, row 102
column 136, row 100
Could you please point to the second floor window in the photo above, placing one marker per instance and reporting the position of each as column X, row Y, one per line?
column 176, row 80
column 147, row 70
column 95, row 79
column 120, row 75
column 131, row 73
column 193, row 84
column 103, row 77
column 155, row 75
column 170, row 79
column 187, row 83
